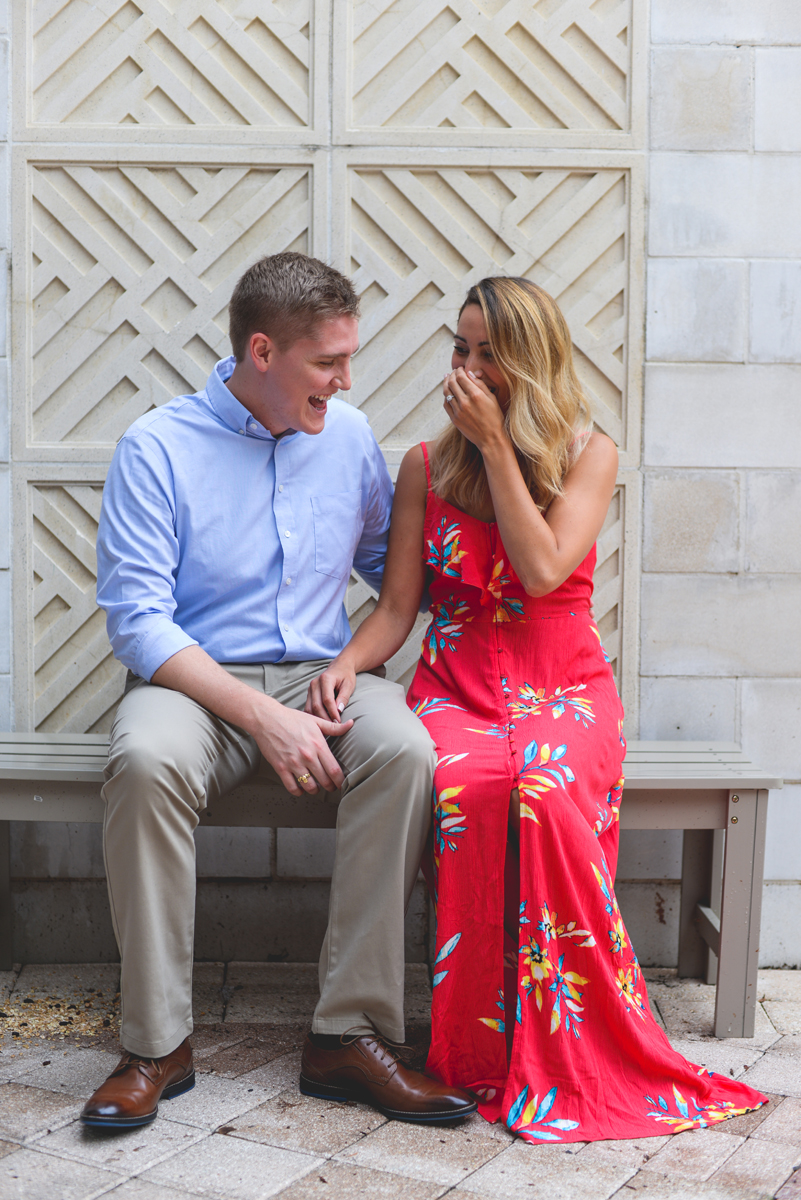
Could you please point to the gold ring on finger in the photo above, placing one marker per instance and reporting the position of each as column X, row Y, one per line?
column 303, row 778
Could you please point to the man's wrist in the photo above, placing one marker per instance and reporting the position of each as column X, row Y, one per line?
column 258, row 712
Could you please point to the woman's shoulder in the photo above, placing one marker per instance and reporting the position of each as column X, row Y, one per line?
column 595, row 447
column 414, row 464
column 413, row 474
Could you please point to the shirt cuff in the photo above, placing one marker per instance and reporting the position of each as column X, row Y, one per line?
column 161, row 643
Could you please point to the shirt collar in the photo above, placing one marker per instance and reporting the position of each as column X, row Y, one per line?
column 229, row 409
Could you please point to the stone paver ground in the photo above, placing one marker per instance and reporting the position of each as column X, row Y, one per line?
column 245, row 1132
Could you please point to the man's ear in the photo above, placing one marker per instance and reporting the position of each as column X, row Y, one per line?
column 262, row 351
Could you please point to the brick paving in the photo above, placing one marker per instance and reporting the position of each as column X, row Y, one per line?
column 245, row 1132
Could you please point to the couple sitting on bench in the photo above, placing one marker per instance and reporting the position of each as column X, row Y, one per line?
column 231, row 521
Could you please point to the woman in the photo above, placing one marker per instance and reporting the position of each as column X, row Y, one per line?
column 539, row 1003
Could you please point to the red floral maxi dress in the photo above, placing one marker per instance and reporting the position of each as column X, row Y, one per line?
column 518, row 692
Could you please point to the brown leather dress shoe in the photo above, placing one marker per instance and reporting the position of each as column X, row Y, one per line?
column 366, row 1068
column 131, row 1094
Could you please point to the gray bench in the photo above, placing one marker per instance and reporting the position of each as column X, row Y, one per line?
column 708, row 789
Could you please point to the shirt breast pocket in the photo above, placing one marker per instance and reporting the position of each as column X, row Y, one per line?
column 337, row 529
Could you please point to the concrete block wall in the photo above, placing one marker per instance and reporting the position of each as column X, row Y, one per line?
column 262, row 895
column 721, row 585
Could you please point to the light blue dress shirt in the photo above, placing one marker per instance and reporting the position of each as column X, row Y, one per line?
column 215, row 533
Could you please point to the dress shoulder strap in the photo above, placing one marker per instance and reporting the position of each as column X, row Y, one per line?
column 424, row 448
column 577, row 445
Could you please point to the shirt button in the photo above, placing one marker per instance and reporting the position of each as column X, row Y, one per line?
column 241, row 431
column 288, row 580
column 287, row 533
column 280, row 487
column 286, row 629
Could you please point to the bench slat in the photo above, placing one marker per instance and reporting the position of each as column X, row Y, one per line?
column 652, row 764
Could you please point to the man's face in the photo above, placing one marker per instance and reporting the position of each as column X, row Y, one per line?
column 298, row 382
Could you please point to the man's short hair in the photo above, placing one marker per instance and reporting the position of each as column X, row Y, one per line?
column 286, row 296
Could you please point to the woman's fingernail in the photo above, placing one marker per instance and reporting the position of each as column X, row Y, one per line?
column 341, row 706
column 470, row 373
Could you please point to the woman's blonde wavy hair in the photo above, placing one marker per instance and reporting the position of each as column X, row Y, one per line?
column 530, row 342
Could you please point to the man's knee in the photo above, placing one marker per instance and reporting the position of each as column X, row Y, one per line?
column 406, row 742
column 146, row 766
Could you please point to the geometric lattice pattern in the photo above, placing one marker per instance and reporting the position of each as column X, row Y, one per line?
column 420, row 238
column 132, row 270
column 608, row 580
column 491, row 64
column 77, row 682
column 206, row 62
column 124, row 264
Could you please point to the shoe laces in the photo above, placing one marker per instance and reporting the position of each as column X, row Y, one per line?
column 136, row 1060
column 385, row 1046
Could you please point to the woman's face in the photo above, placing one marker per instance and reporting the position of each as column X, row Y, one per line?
column 471, row 351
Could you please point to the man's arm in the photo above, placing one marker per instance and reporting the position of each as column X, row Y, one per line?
column 138, row 558
column 371, row 551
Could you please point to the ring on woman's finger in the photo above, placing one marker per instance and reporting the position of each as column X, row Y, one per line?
column 448, row 399
column 303, row 778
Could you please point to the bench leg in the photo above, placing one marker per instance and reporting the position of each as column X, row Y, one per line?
column 696, row 871
column 740, row 914
column 716, row 888
column 6, row 928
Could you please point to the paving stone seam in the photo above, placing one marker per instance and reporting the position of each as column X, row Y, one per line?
column 67, row 1156
column 117, row 1180
column 29, row 1143
column 278, row 1146
column 452, row 1187
column 233, row 1117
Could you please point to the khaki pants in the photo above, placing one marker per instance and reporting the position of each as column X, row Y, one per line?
column 169, row 758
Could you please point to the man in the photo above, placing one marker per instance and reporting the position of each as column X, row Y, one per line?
column 231, row 519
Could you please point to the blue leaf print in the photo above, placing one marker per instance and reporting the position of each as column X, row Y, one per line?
column 530, row 753
column 663, row 1104
column 438, row 978
column 543, row 1135
column 519, row 1013
column 448, row 948
column 559, row 752
column 569, row 776
column 681, row 1103
column 561, row 1123
column 545, row 1107
column 558, row 709
column 516, row 1111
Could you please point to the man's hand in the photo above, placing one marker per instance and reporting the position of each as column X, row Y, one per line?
column 331, row 691
column 294, row 745
column 292, row 742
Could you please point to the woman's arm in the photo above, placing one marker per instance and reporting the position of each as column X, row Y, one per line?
column 544, row 550
column 383, row 633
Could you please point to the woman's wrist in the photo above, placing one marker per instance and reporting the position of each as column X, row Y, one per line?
column 497, row 448
column 344, row 661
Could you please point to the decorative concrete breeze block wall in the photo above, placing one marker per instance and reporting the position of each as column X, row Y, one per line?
column 154, row 154
column 721, row 589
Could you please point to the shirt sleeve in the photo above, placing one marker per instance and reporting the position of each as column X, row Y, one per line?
column 137, row 558
column 371, row 552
